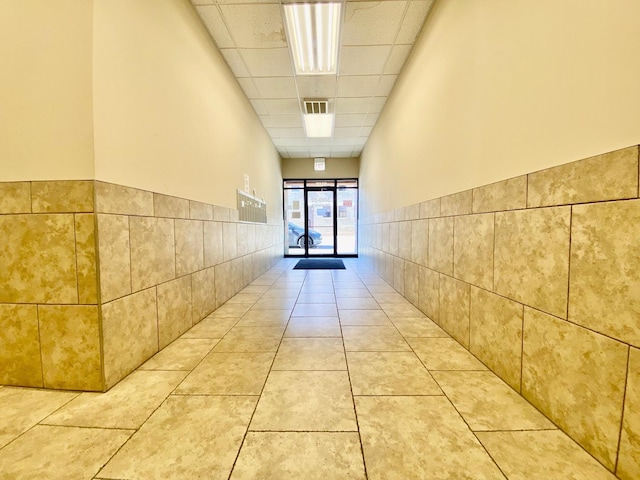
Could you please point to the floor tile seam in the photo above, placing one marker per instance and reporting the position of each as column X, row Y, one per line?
column 353, row 402
column 523, row 430
column 400, row 395
column 303, row 431
column 248, row 395
column 255, row 408
column 309, row 370
column 87, row 427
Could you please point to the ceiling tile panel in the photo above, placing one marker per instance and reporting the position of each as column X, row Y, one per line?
column 377, row 103
column 317, row 86
column 298, row 152
column 365, row 131
column 350, row 120
column 276, row 87
column 271, row 62
column 203, row 2
column 357, row 86
column 398, row 56
column 259, row 107
column 282, row 121
column 413, row 21
column 372, row 23
column 255, row 26
column 212, row 19
column 385, row 86
column 371, row 119
column 344, row 142
column 363, row 60
column 352, row 105
column 346, row 132
column 235, row 62
column 249, row 87
column 283, row 105
column 287, row 132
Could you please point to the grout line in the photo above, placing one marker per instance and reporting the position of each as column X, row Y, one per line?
column 40, row 344
column 624, row 400
column 569, row 262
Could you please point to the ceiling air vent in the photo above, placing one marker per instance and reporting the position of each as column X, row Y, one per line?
column 312, row 107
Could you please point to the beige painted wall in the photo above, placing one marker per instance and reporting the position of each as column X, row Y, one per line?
column 334, row 168
column 496, row 89
column 45, row 90
column 169, row 115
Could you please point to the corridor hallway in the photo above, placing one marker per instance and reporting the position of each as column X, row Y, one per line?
column 312, row 374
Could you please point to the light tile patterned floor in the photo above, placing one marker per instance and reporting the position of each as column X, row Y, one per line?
column 303, row 375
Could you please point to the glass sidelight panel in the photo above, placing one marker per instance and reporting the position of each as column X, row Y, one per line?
column 294, row 225
column 347, row 207
column 320, row 214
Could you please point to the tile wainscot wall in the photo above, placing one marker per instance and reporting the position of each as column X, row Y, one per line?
column 96, row 277
column 539, row 277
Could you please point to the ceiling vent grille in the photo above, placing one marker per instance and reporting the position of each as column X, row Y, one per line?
column 312, row 107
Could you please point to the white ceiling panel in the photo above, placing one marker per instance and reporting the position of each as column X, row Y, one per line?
column 255, row 25
column 357, row 86
column 270, row 62
column 276, row 87
column 413, row 21
column 212, row 19
column 350, row 120
column 352, row 105
column 319, row 86
column 372, row 23
column 398, row 56
column 363, row 60
column 283, row 105
column 376, row 39
column 235, row 62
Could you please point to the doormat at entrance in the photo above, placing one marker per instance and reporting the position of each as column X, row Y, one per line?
column 320, row 264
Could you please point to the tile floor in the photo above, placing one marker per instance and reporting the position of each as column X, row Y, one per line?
column 303, row 375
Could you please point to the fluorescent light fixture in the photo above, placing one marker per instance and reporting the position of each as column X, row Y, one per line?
column 314, row 32
column 318, row 164
column 318, row 124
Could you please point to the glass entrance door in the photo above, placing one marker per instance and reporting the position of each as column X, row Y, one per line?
column 321, row 221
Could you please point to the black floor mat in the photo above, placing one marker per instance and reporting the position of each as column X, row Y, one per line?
column 320, row 264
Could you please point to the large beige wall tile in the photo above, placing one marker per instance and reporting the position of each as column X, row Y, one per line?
column 508, row 194
column 429, row 293
column 203, row 291
column 62, row 196
column 412, row 282
column 532, row 257
column 398, row 275
column 115, row 257
column 213, row 244
column 393, row 238
column 413, row 211
column 453, row 315
column 86, row 258
column 604, row 177
column 575, row 377
column 243, row 240
column 170, row 207
column 174, row 310
column 221, row 214
column 130, row 334
column 604, row 292
column 404, row 240
column 629, row 456
column 420, row 242
column 385, row 237
column 38, row 259
column 70, row 343
column 430, row 208
column 153, row 254
column 20, row 346
column 15, row 197
column 473, row 249
column 189, row 246
column 200, row 211
column 441, row 245
column 457, row 204
column 118, row 199
column 496, row 334
column 230, row 240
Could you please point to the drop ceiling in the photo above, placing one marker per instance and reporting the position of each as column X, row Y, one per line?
column 376, row 40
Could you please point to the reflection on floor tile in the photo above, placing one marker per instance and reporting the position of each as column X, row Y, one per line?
column 358, row 304
column 228, row 374
column 127, row 405
column 313, row 327
column 487, row 403
column 310, row 354
column 549, row 454
column 373, row 339
column 231, row 310
column 265, row 318
column 353, row 293
column 60, row 452
column 211, row 328
column 418, row 327
column 284, row 303
column 364, row 317
column 187, row 437
column 182, row 354
column 315, row 310
column 389, row 373
column 444, row 354
column 305, row 401
column 251, row 339
column 419, row 437
column 21, row 408
column 298, row 455
column 401, row 310
column 317, row 298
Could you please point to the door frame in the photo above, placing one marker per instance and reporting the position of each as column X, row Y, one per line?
column 306, row 188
